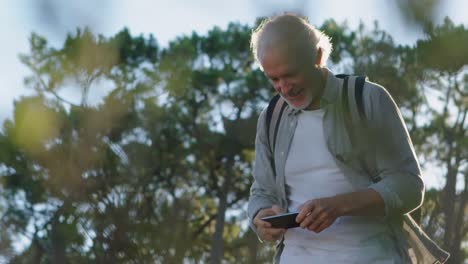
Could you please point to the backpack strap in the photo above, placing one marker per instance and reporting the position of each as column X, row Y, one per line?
column 274, row 113
column 353, row 87
column 353, row 110
column 358, row 88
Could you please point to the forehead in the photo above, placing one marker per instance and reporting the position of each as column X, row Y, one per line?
column 277, row 61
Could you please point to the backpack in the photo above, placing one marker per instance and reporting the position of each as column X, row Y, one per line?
column 277, row 105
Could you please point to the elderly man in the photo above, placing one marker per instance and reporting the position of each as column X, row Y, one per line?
column 344, row 216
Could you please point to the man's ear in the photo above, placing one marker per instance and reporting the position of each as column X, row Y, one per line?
column 318, row 60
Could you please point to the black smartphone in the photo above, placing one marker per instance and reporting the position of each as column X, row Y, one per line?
column 287, row 220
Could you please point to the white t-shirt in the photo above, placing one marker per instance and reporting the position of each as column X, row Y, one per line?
column 311, row 172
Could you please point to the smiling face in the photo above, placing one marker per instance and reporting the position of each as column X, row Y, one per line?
column 297, row 80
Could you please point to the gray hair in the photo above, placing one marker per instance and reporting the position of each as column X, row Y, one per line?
column 297, row 31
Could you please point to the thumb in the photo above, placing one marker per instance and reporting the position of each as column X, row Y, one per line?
column 277, row 209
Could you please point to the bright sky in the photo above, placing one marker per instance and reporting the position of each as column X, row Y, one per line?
column 171, row 18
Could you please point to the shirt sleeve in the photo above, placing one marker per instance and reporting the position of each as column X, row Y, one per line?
column 401, row 185
column 262, row 191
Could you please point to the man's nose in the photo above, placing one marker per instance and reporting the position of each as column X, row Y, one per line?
column 283, row 87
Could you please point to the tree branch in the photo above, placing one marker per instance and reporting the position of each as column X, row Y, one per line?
column 48, row 89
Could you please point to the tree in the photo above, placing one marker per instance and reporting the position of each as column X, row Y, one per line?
column 444, row 58
column 65, row 178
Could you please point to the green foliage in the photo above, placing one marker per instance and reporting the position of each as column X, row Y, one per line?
column 445, row 48
column 342, row 39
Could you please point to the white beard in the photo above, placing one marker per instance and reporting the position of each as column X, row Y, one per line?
column 306, row 104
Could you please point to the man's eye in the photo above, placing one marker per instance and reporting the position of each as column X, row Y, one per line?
column 290, row 75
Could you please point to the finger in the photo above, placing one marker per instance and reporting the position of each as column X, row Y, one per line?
column 323, row 226
column 275, row 232
column 266, row 212
column 263, row 234
column 307, row 203
column 263, row 213
column 317, row 218
column 277, row 236
column 261, row 224
column 268, row 237
column 265, row 224
column 258, row 219
column 309, row 219
column 305, row 209
column 276, row 209
column 313, row 226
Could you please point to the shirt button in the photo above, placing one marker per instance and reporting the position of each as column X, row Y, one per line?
column 282, row 153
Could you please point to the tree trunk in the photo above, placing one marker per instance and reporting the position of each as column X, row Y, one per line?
column 217, row 242
column 58, row 255
column 449, row 208
column 38, row 249
column 457, row 255
column 253, row 247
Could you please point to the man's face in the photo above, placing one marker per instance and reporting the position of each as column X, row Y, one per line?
column 296, row 81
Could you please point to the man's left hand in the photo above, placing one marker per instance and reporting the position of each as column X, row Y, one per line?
column 318, row 214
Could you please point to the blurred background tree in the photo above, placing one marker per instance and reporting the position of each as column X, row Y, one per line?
column 160, row 170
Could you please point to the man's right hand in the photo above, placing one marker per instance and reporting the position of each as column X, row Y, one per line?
column 264, row 229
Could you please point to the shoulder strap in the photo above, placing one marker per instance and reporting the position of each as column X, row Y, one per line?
column 349, row 107
column 358, row 88
column 274, row 113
